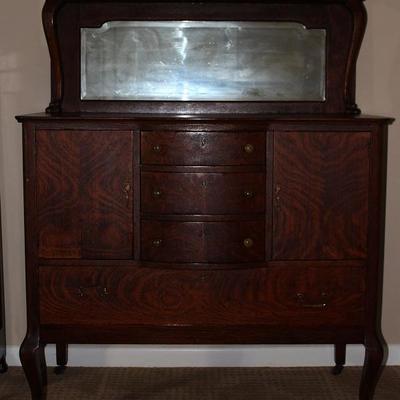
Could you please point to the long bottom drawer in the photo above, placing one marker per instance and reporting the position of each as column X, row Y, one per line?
column 284, row 296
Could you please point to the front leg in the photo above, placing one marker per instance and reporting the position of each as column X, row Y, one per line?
column 34, row 364
column 62, row 358
column 375, row 352
column 340, row 358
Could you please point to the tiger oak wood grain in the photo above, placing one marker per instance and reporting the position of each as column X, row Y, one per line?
column 75, row 295
column 203, row 242
column 84, row 195
column 321, row 195
column 203, row 193
column 202, row 148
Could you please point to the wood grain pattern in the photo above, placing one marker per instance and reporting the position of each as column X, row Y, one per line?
column 203, row 242
column 202, row 148
column 321, row 195
column 84, row 207
column 75, row 295
column 203, row 193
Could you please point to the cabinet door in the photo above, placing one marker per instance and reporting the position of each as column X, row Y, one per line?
column 321, row 195
column 84, row 194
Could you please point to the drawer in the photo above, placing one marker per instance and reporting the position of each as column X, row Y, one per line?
column 203, row 148
column 88, row 295
column 203, row 193
column 203, row 242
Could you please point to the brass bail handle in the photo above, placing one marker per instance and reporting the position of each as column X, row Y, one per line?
column 323, row 304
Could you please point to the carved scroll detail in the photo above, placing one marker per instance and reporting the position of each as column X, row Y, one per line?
column 359, row 12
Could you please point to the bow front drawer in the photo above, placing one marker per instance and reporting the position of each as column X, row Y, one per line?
column 203, row 242
column 203, row 148
column 203, row 193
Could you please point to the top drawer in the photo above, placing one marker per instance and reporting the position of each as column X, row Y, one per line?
column 203, row 148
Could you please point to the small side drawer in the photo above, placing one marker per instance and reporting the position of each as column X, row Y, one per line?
column 203, row 193
column 203, row 242
column 203, row 148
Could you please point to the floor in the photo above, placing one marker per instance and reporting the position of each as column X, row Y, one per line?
column 201, row 384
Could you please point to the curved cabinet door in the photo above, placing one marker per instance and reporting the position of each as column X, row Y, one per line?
column 320, row 195
column 84, row 194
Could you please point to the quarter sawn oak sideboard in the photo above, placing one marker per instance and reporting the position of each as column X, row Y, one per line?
column 177, row 196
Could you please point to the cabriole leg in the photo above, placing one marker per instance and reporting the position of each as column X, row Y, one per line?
column 62, row 358
column 34, row 364
column 340, row 358
column 375, row 352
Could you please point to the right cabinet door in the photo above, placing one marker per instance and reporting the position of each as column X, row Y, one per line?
column 320, row 202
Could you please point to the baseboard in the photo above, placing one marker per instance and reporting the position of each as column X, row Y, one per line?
column 204, row 356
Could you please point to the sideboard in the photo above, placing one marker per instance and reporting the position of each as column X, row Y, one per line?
column 203, row 175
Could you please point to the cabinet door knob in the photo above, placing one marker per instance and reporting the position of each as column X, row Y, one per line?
column 248, row 194
column 249, row 148
column 248, row 242
column 157, row 193
column 157, row 242
column 157, row 148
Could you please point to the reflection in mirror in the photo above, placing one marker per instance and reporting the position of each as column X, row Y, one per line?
column 203, row 61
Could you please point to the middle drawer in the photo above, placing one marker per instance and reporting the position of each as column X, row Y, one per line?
column 202, row 193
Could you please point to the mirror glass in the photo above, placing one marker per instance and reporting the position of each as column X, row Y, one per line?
column 203, row 61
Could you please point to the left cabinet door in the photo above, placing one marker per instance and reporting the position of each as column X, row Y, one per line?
column 84, row 194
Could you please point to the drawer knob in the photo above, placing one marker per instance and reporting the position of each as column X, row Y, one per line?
column 248, row 242
column 157, row 242
column 157, row 148
column 249, row 148
column 248, row 194
column 157, row 193
column 301, row 300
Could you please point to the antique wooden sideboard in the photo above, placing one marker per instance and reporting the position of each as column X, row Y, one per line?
column 202, row 220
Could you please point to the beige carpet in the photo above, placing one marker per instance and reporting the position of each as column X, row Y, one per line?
column 201, row 384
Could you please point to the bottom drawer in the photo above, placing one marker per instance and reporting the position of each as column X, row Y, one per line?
column 284, row 296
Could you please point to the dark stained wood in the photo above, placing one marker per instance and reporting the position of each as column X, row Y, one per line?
column 61, row 357
column 202, row 272
column 321, row 195
column 232, row 334
column 266, row 296
column 343, row 19
column 203, row 242
column 203, row 148
column 84, row 194
column 203, row 193
column 340, row 358
column 107, row 261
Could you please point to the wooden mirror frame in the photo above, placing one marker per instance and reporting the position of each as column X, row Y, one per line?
column 344, row 20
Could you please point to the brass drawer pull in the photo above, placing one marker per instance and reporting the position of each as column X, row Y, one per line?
column 248, row 242
column 157, row 242
column 248, row 194
column 101, row 291
column 157, row 193
column 157, row 148
column 249, row 148
column 301, row 301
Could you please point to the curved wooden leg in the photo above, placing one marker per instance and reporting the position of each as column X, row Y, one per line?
column 62, row 358
column 3, row 365
column 340, row 358
column 34, row 364
column 375, row 352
